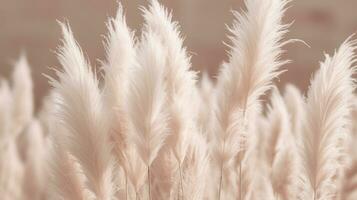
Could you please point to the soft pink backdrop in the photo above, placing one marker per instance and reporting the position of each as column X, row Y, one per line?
column 30, row 26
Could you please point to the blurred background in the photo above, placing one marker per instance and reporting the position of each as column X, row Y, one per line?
column 30, row 26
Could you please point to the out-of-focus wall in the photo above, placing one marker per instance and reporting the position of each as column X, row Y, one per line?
column 30, row 26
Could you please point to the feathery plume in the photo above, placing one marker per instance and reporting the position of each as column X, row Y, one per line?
column 205, row 112
column 81, row 113
column 120, row 53
column 5, row 112
column 179, row 80
column 11, row 167
column 66, row 177
column 11, row 172
column 295, row 104
column 328, row 105
column 66, row 180
column 135, row 170
column 256, row 180
column 197, row 166
column 281, row 150
column 34, row 165
column 23, row 105
column 147, row 100
column 279, row 126
column 253, row 64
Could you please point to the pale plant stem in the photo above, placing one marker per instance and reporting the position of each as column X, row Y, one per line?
column 181, row 185
column 241, row 160
column 240, row 180
column 277, row 196
column 149, row 182
column 221, row 175
column 220, row 183
column 136, row 195
column 126, row 187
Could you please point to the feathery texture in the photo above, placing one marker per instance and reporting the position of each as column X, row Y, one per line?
column 135, row 169
column 5, row 112
column 328, row 105
column 66, row 177
column 279, row 126
column 80, row 110
column 281, row 150
column 34, row 178
column 179, row 80
column 120, row 53
column 23, row 105
column 11, row 167
column 195, row 178
column 147, row 99
column 149, row 132
column 66, row 180
column 205, row 112
column 253, row 63
column 295, row 104
column 11, row 172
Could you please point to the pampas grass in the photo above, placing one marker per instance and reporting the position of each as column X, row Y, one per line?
column 326, row 124
column 179, row 83
column 154, row 130
column 253, row 64
column 147, row 100
column 80, row 112
column 22, row 95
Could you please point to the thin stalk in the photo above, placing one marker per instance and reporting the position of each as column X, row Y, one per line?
column 243, row 152
column 181, row 179
column 221, row 174
column 126, row 187
column 136, row 195
column 276, row 196
column 240, row 180
column 149, row 182
column 220, row 183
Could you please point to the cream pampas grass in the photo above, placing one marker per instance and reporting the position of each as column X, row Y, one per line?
column 120, row 60
column 22, row 94
column 253, row 64
column 349, row 182
column 120, row 51
column 80, row 112
column 65, row 173
column 5, row 111
column 66, row 180
column 326, row 123
column 34, row 178
column 150, row 129
column 147, row 100
column 206, row 102
column 295, row 103
column 11, row 169
column 179, row 83
column 281, row 150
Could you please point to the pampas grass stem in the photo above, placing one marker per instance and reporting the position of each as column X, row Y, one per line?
column 149, row 182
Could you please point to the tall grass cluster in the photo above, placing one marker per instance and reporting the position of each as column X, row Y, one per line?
column 146, row 127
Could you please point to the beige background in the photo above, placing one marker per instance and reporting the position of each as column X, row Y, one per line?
column 30, row 26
